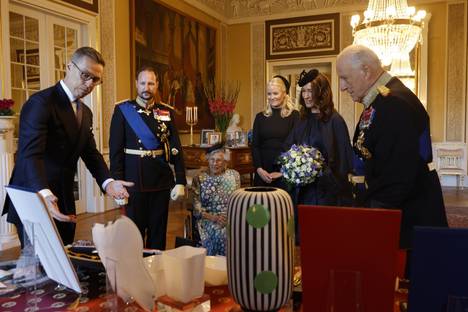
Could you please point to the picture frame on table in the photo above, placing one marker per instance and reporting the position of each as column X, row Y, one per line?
column 204, row 136
column 241, row 138
column 214, row 138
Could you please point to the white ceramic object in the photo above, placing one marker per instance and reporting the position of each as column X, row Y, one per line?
column 184, row 273
column 216, row 270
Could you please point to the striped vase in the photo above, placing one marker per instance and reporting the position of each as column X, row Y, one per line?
column 260, row 251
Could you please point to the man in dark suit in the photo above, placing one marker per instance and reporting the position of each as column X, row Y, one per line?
column 143, row 142
column 392, row 141
column 55, row 130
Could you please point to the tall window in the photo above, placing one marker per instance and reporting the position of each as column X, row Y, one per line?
column 25, row 59
column 41, row 46
column 65, row 43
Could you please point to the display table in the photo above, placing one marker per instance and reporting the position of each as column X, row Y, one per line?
column 93, row 298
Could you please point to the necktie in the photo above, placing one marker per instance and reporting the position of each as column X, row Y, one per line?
column 79, row 111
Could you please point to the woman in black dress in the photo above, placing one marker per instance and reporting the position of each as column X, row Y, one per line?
column 322, row 127
column 271, row 128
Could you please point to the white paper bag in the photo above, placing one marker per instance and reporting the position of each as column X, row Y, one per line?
column 184, row 269
column 121, row 242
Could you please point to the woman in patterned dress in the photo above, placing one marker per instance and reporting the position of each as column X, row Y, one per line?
column 211, row 195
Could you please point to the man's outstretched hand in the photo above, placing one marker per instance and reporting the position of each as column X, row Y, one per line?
column 52, row 206
column 117, row 189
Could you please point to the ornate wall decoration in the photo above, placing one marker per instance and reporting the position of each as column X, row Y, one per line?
column 303, row 36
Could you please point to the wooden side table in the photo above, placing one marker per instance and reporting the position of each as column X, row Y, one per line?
column 240, row 159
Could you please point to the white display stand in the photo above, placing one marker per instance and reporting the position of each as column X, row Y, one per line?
column 48, row 245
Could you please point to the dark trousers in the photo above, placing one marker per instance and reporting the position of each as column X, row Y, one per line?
column 65, row 229
column 149, row 211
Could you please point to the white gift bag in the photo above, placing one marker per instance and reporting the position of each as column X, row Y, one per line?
column 184, row 269
column 120, row 241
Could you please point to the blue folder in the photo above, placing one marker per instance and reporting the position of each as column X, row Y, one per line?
column 439, row 268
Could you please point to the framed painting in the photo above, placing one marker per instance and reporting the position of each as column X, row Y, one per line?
column 182, row 50
column 315, row 35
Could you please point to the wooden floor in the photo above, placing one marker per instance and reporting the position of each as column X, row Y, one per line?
column 453, row 198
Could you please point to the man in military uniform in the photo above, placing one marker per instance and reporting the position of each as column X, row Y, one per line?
column 143, row 141
column 392, row 140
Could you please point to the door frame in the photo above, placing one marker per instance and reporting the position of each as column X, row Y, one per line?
column 89, row 23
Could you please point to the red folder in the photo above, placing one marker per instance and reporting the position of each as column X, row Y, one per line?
column 348, row 258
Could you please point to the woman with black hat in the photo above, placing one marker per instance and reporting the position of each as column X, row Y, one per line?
column 211, row 191
column 271, row 128
column 323, row 128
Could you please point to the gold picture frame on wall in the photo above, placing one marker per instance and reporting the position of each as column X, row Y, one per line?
column 307, row 36
column 182, row 50
column 90, row 5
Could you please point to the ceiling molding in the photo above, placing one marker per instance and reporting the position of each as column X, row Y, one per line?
column 251, row 11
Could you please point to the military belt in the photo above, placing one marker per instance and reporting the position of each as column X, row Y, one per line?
column 354, row 179
column 144, row 153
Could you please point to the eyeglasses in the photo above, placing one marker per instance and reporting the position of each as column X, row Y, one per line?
column 85, row 76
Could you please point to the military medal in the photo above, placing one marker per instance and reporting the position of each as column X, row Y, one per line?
column 367, row 118
column 162, row 114
column 364, row 123
column 144, row 111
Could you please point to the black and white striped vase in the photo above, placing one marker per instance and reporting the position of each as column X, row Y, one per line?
column 260, row 253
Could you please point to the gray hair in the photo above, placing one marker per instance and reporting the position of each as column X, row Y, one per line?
column 225, row 152
column 90, row 53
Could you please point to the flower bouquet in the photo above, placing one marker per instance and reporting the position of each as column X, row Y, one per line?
column 301, row 165
column 5, row 107
column 222, row 101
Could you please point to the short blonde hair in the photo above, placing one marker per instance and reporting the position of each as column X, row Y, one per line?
column 287, row 106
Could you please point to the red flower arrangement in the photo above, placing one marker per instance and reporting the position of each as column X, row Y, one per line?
column 5, row 107
column 222, row 102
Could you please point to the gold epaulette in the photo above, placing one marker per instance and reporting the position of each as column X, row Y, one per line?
column 383, row 90
column 167, row 105
column 119, row 102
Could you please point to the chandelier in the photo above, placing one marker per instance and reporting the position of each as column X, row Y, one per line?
column 390, row 28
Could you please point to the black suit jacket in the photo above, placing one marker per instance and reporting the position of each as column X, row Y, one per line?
column 397, row 175
column 50, row 143
column 149, row 174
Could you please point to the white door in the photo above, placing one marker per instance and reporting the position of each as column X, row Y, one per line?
column 40, row 47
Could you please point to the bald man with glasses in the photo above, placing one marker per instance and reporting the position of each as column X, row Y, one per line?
column 55, row 131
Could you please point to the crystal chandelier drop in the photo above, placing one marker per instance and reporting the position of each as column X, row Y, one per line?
column 390, row 28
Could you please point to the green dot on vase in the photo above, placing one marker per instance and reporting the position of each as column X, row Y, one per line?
column 258, row 216
column 291, row 228
column 265, row 282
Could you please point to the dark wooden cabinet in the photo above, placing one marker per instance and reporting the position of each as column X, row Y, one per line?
column 240, row 158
